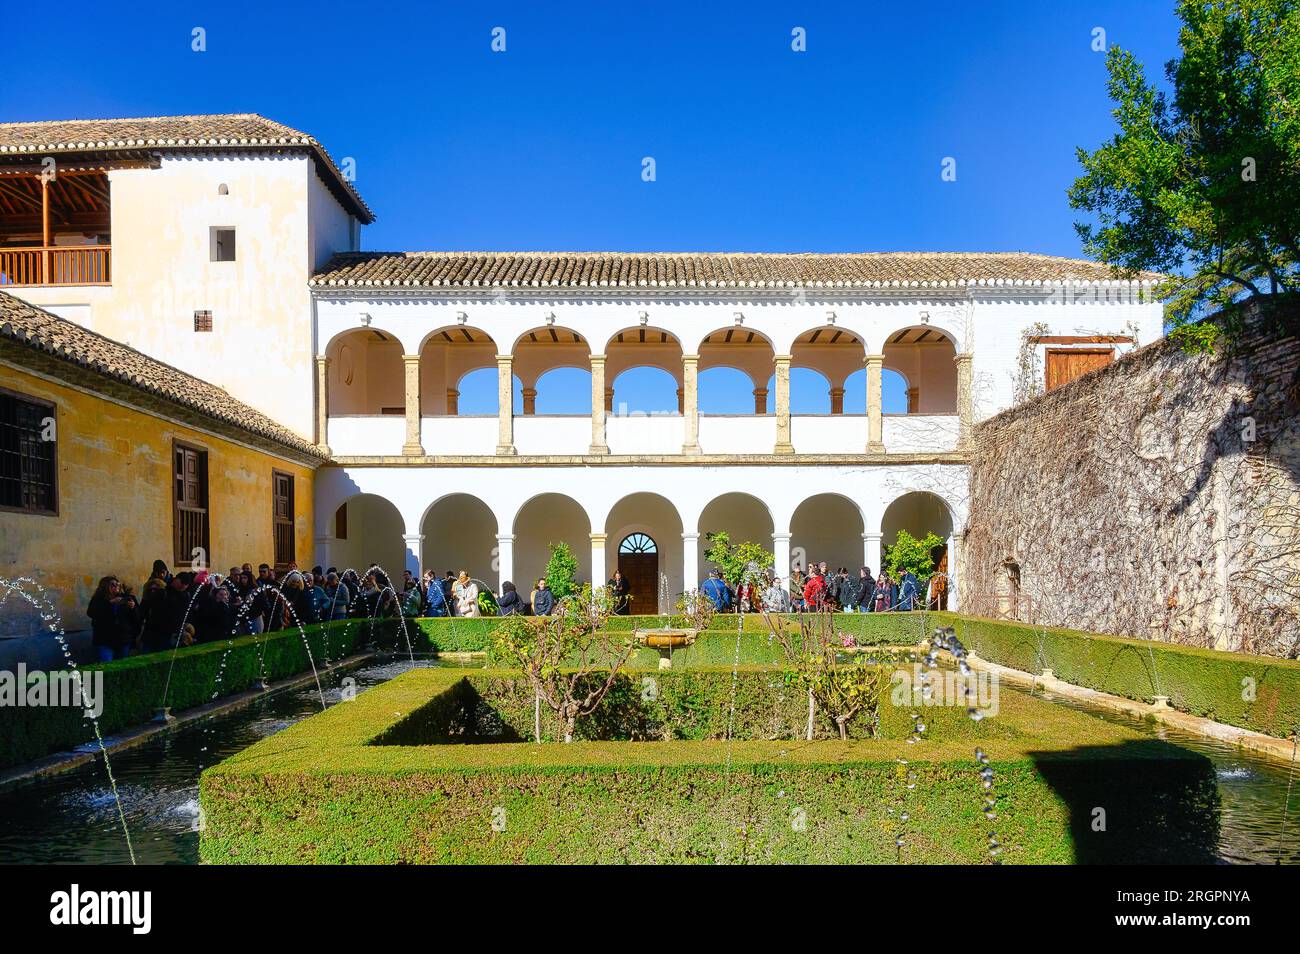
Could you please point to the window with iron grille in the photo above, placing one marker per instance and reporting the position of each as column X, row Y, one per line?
column 27, row 455
column 190, row 502
column 203, row 321
column 282, row 517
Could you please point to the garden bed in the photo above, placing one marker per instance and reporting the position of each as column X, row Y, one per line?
column 390, row 778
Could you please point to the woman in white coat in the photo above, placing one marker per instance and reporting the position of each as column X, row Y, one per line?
column 465, row 591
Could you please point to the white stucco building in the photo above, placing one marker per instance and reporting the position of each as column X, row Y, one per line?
column 367, row 354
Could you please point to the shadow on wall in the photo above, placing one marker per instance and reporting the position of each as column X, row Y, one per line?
column 1143, row 802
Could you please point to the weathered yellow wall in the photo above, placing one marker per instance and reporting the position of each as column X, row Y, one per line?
column 115, row 499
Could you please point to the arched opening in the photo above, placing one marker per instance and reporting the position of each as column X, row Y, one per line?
column 834, row 353
column 365, row 374
column 543, row 350
column 893, row 392
column 544, row 520
column 559, row 392
column 643, row 372
column 369, row 530
column 644, row 390
column 643, row 535
column 924, row 356
column 743, row 517
column 921, row 513
column 452, row 360
column 827, row 528
column 460, row 533
column 725, row 390
column 748, row 356
column 478, row 393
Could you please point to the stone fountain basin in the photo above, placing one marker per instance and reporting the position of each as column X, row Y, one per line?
column 665, row 638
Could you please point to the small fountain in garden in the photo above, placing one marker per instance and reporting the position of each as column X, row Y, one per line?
column 667, row 637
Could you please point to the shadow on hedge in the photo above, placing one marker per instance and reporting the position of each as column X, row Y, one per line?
column 1142, row 802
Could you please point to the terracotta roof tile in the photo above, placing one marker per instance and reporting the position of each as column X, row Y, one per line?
column 34, row 328
column 709, row 270
column 246, row 131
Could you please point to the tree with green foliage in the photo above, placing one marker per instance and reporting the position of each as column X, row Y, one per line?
column 1205, row 183
column 561, row 570
column 908, row 554
column 733, row 561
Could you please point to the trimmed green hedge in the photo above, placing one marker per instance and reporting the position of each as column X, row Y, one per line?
column 133, row 688
column 323, row 791
column 1204, row 682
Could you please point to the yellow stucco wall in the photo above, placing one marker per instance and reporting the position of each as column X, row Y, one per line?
column 115, row 498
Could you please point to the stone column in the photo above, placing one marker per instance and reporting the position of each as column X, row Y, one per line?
column 691, row 408
column 530, row 400
column 325, row 549
column 837, row 400
column 781, row 550
column 875, row 424
column 505, row 405
column 598, row 445
column 413, row 542
column 913, row 398
column 690, row 561
column 760, row 400
column 954, row 571
column 506, row 561
column 871, row 551
column 323, row 404
column 609, row 399
column 598, row 574
column 965, row 407
column 412, row 447
column 453, row 401
column 783, row 444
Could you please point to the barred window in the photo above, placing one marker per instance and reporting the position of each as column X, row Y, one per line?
column 203, row 321
column 190, row 503
column 27, row 455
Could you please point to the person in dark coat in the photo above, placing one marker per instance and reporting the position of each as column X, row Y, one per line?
column 112, row 613
column 622, row 593
column 717, row 592
column 544, row 600
column 511, row 603
column 908, row 591
column 864, row 595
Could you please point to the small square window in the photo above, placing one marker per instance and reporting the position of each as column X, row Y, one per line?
column 223, row 244
column 203, row 321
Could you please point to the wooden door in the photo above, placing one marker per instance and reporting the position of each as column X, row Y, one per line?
column 638, row 561
column 282, row 517
column 1066, row 364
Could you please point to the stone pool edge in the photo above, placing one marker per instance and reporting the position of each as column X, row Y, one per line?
column 56, row 763
column 1279, row 749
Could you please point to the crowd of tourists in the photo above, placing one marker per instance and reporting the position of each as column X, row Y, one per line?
column 821, row 589
column 180, row 609
column 200, row 606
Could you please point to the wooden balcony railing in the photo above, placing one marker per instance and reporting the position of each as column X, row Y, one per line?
column 56, row 265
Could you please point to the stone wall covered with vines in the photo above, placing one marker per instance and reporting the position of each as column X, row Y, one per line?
column 1158, row 497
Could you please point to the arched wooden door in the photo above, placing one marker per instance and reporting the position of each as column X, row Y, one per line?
column 638, row 561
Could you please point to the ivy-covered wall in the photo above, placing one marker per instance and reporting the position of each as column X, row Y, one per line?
column 1158, row 497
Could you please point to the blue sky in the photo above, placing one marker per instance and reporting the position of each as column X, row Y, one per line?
column 756, row 147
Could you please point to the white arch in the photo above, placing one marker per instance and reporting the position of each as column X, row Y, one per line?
column 513, row 521
column 425, row 339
